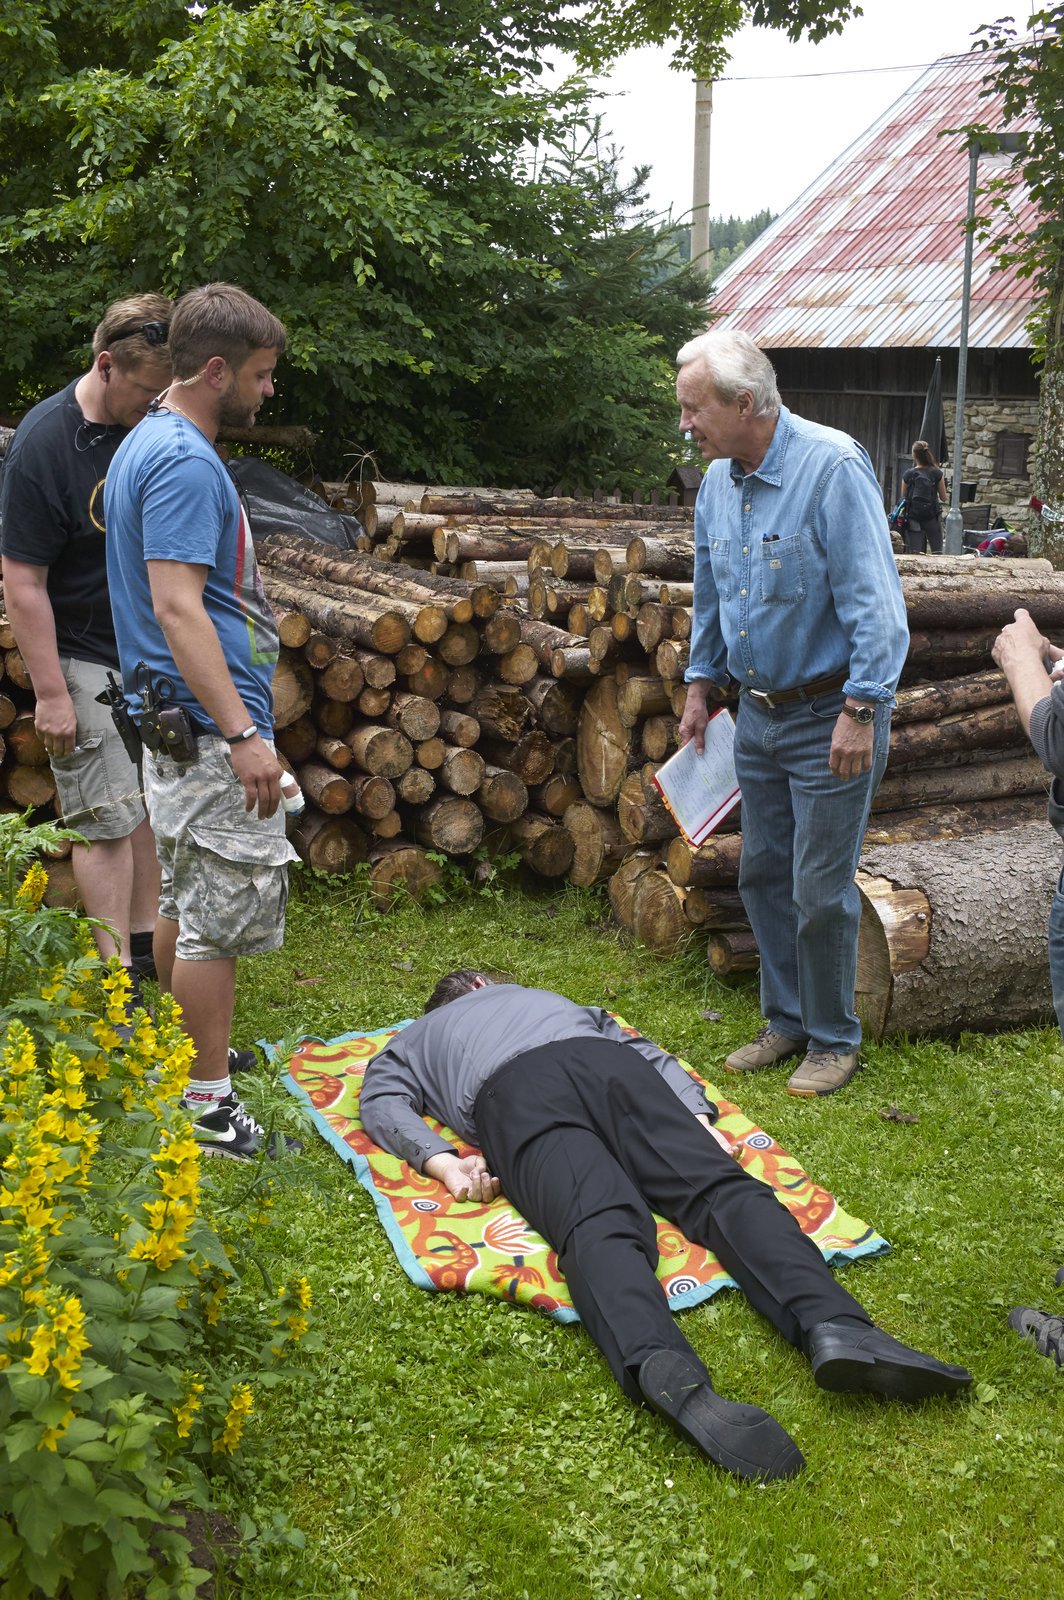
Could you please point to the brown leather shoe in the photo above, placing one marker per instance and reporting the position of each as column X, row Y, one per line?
column 822, row 1072
column 767, row 1050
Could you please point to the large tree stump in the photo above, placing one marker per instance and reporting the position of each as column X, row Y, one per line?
column 953, row 933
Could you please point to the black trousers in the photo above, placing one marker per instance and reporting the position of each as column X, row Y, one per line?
column 586, row 1139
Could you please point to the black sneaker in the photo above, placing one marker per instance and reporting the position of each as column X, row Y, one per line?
column 227, row 1129
column 1046, row 1333
column 242, row 1061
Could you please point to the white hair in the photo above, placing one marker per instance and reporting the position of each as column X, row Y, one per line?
column 734, row 362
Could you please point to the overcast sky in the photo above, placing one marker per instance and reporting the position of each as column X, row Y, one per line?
column 785, row 111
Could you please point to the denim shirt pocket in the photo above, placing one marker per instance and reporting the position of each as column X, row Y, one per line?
column 720, row 561
column 782, row 576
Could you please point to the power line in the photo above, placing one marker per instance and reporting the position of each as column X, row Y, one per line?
column 856, row 72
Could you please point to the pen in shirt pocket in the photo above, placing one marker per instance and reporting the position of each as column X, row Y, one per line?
column 770, row 538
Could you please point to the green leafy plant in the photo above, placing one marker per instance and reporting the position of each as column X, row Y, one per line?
column 124, row 1384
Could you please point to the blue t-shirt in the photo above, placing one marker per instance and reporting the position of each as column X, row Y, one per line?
column 168, row 497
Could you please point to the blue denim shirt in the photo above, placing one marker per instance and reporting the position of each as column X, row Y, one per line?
column 795, row 579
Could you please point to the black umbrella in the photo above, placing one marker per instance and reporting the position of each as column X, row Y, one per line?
column 933, row 426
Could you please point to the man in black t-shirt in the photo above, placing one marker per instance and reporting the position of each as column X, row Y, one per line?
column 55, row 589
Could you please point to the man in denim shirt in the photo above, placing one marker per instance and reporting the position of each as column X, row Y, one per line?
column 797, row 598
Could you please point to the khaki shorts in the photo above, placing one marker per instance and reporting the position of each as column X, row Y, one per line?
column 98, row 785
column 224, row 870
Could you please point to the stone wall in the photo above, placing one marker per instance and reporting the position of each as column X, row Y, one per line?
column 983, row 421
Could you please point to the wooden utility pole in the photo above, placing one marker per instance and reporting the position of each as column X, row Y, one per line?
column 701, row 255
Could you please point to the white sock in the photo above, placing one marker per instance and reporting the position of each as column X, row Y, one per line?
column 206, row 1092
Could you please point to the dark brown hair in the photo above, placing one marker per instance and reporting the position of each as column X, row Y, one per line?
column 220, row 320
column 454, row 986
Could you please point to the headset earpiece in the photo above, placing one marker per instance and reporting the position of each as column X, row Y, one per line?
column 105, row 374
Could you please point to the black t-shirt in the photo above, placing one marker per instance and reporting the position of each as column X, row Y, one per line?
column 51, row 515
column 921, row 484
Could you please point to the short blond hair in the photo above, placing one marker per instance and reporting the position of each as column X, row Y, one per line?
column 120, row 331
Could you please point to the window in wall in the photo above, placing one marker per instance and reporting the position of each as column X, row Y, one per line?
column 1010, row 455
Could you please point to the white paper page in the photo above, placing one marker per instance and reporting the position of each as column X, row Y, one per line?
column 701, row 789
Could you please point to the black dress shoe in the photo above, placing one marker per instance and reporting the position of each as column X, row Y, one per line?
column 744, row 1439
column 850, row 1359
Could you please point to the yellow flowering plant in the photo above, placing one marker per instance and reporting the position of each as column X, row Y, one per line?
column 126, row 1380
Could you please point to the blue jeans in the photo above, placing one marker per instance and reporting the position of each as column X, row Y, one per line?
column 1056, row 951
column 802, row 833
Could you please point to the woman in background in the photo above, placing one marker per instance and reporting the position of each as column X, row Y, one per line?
column 924, row 488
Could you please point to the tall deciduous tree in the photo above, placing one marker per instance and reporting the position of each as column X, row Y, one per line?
column 466, row 284
column 1028, row 68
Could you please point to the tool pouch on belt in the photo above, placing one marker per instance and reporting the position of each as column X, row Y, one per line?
column 167, row 730
column 164, row 729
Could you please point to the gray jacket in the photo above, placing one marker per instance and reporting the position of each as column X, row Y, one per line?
column 1047, row 736
column 437, row 1065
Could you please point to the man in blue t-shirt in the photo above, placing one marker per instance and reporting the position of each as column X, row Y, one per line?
column 194, row 626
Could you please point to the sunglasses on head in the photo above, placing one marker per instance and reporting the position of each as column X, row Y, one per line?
column 156, row 333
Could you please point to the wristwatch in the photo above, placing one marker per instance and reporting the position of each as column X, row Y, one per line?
column 863, row 714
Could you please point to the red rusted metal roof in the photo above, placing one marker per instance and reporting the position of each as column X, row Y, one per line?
column 871, row 254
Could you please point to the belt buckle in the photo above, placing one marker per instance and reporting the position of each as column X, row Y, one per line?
column 763, row 696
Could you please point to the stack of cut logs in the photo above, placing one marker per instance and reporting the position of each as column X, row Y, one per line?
column 492, row 668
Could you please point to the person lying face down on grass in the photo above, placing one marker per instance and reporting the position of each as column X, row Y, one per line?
column 587, row 1130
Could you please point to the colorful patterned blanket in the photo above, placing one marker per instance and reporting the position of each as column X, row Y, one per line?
column 446, row 1244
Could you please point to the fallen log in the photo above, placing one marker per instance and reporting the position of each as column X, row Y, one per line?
column 941, row 601
column 544, row 845
column 400, row 870
column 672, row 560
column 293, row 688
column 502, row 796
column 942, row 785
column 982, row 729
column 953, row 933
column 329, row 843
column 414, row 787
column 931, row 701
column 531, row 757
column 659, row 916
column 598, row 843
column 450, row 824
column 556, row 795
column 732, row 950
column 716, row 863
column 361, row 619
column 623, row 881
column 604, row 744
column 642, row 814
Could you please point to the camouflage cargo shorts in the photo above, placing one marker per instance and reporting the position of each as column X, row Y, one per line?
column 224, row 871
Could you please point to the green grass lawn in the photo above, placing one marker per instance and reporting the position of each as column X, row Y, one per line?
column 452, row 1447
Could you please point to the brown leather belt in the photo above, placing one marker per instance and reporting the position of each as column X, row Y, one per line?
column 802, row 691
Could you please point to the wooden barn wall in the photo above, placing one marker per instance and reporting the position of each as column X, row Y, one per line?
column 991, row 373
column 877, row 396
column 885, row 424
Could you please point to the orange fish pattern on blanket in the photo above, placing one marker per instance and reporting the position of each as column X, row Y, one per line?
column 448, row 1244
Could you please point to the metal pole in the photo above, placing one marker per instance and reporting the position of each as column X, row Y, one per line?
column 700, row 251
column 953, row 540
